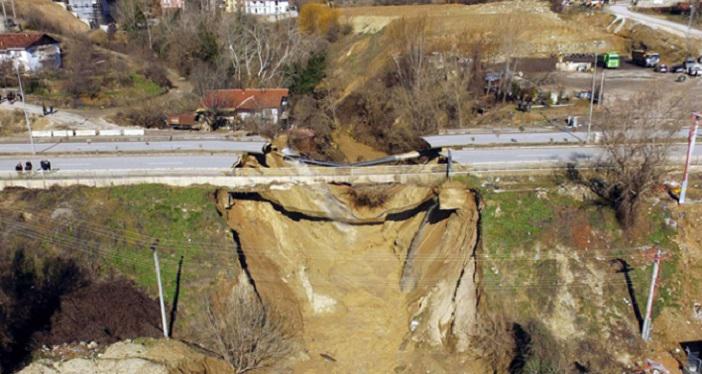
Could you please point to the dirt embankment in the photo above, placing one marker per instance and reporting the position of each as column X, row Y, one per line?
column 375, row 280
column 144, row 356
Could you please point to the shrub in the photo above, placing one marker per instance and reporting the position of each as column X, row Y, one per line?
column 369, row 196
column 245, row 332
column 318, row 19
column 157, row 74
column 105, row 312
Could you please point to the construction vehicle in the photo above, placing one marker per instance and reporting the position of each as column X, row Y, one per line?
column 610, row 60
column 690, row 67
column 646, row 59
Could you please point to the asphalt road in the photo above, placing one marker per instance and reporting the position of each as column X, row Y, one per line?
column 440, row 141
column 544, row 155
column 122, row 163
column 115, row 147
column 75, row 121
column 517, row 138
column 656, row 23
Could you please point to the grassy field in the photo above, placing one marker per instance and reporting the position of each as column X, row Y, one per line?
column 114, row 228
column 552, row 253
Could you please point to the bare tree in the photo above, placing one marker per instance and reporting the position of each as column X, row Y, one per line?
column 636, row 143
column 259, row 51
column 414, row 74
column 245, row 332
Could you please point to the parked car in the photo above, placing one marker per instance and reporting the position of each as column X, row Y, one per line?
column 678, row 69
column 661, row 68
column 646, row 59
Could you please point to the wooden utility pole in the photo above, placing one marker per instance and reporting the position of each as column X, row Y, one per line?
column 160, row 289
column 592, row 98
column 600, row 97
column 648, row 323
column 691, row 140
column 24, row 106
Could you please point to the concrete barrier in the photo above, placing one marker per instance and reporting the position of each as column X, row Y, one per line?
column 133, row 132
column 41, row 134
column 61, row 133
column 110, row 133
column 86, row 132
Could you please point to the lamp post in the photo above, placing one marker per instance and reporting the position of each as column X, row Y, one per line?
column 24, row 108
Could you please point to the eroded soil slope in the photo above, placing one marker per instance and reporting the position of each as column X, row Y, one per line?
column 366, row 275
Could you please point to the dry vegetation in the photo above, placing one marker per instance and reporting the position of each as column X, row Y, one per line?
column 245, row 332
column 369, row 196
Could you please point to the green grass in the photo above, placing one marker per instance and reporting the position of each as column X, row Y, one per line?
column 118, row 225
column 145, row 86
column 513, row 220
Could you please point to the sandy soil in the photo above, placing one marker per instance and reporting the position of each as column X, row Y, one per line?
column 341, row 282
column 536, row 30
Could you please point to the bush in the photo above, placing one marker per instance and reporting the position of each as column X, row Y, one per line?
column 143, row 116
column 369, row 196
column 105, row 312
column 157, row 74
column 245, row 332
column 318, row 19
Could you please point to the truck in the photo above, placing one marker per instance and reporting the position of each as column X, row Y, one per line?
column 690, row 67
column 610, row 60
column 647, row 59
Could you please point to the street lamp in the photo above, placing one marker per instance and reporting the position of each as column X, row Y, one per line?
column 592, row 93
column 24, row 108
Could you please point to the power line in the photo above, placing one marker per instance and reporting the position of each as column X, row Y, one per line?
column 260, row 253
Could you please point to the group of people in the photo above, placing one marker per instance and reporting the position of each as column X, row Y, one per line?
column 12, row 97
column 46, row 111
column 27, row 166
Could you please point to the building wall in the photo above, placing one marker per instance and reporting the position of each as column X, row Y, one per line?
column 34, row 58
column 266, row 7
column 92, row 12
column 172, row 4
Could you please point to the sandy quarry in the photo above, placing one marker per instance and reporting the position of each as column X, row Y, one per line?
column 368, row 287
column 532, row 29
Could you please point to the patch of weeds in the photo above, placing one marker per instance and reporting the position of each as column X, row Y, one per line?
column 513, row 220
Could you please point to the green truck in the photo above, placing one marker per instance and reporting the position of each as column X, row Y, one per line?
column 610, row 60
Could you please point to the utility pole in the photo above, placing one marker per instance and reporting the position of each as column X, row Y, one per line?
column 160, row 289
column 592, row 98
column 24, row 107
column 601, row 93
column 693, row 8
column 691, row 140
column 448, row 165
column 4, row 15
column 647, row 326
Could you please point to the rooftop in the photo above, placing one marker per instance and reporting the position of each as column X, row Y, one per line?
column 24, row 40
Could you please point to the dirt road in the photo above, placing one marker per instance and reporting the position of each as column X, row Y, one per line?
column 622, row 11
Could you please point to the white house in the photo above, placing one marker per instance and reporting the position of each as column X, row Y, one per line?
column 30, row 51
column 267, row 7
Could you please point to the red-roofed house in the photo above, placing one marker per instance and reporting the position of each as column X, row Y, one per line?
column 30, row 51
column 266, row 103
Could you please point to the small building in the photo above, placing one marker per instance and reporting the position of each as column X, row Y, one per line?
column 271, row 9
column 172, row 4
column 267, row 7
column 93, row 12
column 575, row 62
column 268, row 104
column 30, row 51
column 183, row 121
